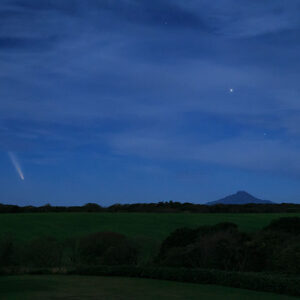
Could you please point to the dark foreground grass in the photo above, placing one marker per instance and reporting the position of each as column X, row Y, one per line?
column 85, row 287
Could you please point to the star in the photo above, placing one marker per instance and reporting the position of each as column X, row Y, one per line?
column 231, row 90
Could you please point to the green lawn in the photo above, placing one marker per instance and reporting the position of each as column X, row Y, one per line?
column 148, row 225
column 108, row 288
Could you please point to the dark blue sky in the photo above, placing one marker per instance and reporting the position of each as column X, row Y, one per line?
column 129, row 101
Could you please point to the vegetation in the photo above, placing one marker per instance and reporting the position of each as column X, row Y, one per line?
column 103, row 248
column 107, row 248
column 160, row 207
column 276, row 248
column 220, row 253
column 277, row 283
column 86, row 287
column 287, row 225
column 154, row 227
column 146, row 229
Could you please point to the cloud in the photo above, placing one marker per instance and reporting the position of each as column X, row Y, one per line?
column 246, row 153
column 154, row 13
column 244, row 19
column 93, row 73
column 25, row 44
column 227, row 17
column 252, row 154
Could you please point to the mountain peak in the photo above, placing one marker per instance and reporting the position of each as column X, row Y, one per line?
column 242, row 193
column 240, row 197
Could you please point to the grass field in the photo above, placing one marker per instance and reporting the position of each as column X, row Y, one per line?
column 148, row 225
column 108, row 288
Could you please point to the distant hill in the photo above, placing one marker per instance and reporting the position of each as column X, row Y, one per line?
column 240, row 197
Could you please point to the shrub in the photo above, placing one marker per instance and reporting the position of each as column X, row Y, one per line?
column 224, row 226
column 289, row 225
column 220, row 246
column 261, row 249
column 181, row 237
column 287, row 259
column 8, row 252
column 44, row 252
column 107, row 248
column 223, row 250
column 71, row 251
column 252, row 281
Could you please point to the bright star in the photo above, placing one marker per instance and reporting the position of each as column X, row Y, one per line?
column 231, row 90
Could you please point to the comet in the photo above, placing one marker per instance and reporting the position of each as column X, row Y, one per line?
column 16, row 164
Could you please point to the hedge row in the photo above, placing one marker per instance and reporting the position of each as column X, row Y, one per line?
column 280, row 284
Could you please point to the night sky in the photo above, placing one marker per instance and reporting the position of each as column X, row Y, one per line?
column 142, row 101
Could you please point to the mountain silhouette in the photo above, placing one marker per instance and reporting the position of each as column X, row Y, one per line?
column 240, row 197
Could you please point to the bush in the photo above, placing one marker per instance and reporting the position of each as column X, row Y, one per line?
column 43, row 252
column 290, row 225
column 252, row 281
column 220, row 246
column 8, row 252
column 223, row 250
column 71, row 251
column 107, row 248
column 261, row 250
column 288, row 258
column 181, row 237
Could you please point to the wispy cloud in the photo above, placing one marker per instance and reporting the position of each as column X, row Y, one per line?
column 248, row 153
column 247, row 18
column 91, row 74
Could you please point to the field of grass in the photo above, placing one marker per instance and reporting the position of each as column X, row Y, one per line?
column 148, row 225
column 108, row 288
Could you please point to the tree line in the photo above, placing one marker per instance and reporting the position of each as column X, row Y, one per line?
column 275, row 248
column 159, row 207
